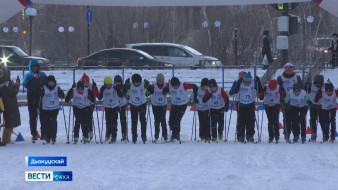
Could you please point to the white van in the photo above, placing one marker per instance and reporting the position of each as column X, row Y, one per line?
column 180, row 55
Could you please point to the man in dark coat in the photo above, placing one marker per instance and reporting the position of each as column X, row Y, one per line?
column 334, row 50
column 266, row 50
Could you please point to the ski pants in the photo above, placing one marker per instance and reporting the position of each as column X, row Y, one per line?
column 329, row 118
column 316, row 114
column 204, row 124
column 111, row 115
column 160, row 119
column 83, row 119
column 246, row 121
column 33, row 114
column 137, row 111
column 175, row 117
column 123, row 121
column 217, row 117
column 298, row 121
column 272, row 113
column 49, row 120
column 287, row 123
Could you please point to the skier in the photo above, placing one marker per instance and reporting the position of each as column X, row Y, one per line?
column 83, row 98
column 334, row 50
column 123, row 105
column 159, row 106
column 246, row 88
column 32, row 81
column 297, row 98
column 94, row 89
column 271, row 94
column 111, row 103
column 236, row 97
column 203, row 110
column 312, row 88
column 219, row 102
column 179, row 103
column 287, row 80
column 138, row 104
column 49, row 107
column 329, row 104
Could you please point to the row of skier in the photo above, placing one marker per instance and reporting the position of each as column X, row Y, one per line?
column 287, row 92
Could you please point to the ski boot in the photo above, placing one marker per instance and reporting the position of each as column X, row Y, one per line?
column 113, row 140
column 252, row 140
column 90, row 135
column 34, row 138
column 53, row 141
column 144, row 140
column 270, row 140
column 241, row 140
column 295, row 139
column 213, row 140
column 47, row 141
column 85, row 141
column 76, row 139
column 134, row 140
column 106, row 139
column 220, row 138
column 43, row 136
column 303, row 140
column 313, row 137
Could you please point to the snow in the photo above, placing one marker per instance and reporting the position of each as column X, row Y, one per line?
column 190, row 165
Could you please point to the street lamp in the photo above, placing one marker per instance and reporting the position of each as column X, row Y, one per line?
column 31, row 12
column 71, row 29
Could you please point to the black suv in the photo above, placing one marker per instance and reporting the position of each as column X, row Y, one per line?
column 117, row 57
column 14, row 56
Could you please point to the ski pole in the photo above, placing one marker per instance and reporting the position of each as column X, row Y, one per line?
column 125, row 110
column 70, row 109
column 195, row 125
column 151, row 128
column 260, row 138
column 103, row 112
column 98, row 124
column 192, row 126
column 64, row 117
column 229, row 121
column 73, row 126
column 225, row 126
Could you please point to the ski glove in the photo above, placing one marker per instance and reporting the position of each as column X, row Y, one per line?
column 103, row 88
column 207, row 98
column 94, row 84
column 264, row 88
column 127, row 82
column 74, row 85
column 164, row 91
column 226, row 107
column 195, row 88
column 146, row 82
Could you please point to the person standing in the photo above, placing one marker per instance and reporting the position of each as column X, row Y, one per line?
column 159, row 106
column 312, row 88
column 297, row 98
column 219, row 102
column 179, row 103
column 32, row 82
column 266, row 50
column 123, row 105
column 287, row 80
column 247, row 89
column 111, row 102
column 334, row 50
column 203, row 110
column 271, row 94
column 49, row 107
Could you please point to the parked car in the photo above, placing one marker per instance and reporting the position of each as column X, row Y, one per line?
column 14, row 56
column 121, row 56
column 180, row 55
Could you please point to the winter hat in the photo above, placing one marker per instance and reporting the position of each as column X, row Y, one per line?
column 175, row 81
column 205, row 82
column 247, row 78
column 159, row 77
column 289, row 66
column 272, row 84
column 212, row 83
column 319, row 79
column 85, row 78
column 136, row 78
column 80, row 85
column 51, row 78
column 329, row 87
column 296, row 87
column 241, row 74
column 117, row 78
column 108, row 80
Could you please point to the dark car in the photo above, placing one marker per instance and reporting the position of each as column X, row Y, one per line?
column 117, row 57
column 14, row 56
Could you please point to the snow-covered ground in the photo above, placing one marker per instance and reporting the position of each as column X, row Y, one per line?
column 190, row 165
